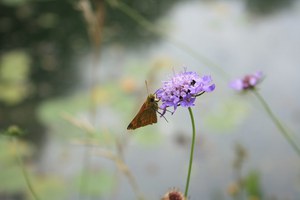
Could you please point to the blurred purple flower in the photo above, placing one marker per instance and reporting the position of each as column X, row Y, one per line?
column 182, row 90
column 247, row 82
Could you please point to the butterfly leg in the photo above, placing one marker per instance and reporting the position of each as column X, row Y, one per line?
column 161, row 115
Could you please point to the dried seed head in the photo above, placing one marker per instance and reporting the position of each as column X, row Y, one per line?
column 174, row 194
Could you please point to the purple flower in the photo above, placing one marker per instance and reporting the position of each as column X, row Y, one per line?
column 247, row 82
column 182, row 90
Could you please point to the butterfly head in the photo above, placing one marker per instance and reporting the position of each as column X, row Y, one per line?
column 151, row 100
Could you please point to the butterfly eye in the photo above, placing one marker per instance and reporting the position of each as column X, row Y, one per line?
column 152, row 99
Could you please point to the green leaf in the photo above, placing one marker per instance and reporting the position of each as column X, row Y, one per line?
column 253, row 185
column 15, row 66
column 14, row 130
column 51, row 113
column 14, row 77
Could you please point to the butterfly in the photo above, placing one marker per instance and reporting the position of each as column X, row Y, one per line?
column 146, row 115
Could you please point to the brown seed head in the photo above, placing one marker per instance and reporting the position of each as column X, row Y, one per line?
column 174, row 194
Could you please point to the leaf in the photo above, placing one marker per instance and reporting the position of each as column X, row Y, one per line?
column 52, row 110
column 253, row 185
column 51, row 113
column 15, row 66
column 14, row 76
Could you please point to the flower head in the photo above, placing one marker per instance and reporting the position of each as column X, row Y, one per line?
column 247, row 82
column 182, row 90
column 174, row 194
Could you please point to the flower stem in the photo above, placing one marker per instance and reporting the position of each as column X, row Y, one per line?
column 191, row 154
column 25, row 174
column 277, row 122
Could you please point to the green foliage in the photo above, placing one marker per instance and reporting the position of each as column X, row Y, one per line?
column 14, row 130
column 14, row 75
column 51, row 112
column 14, row 2
column 14, row 181
column 47, row 20
column 253, row 185
column 266, row 6
column 10, row 171
column 49, row 187
column 15, row 66
column 8, row 152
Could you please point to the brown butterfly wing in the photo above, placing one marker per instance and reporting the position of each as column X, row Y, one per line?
column 146, row 116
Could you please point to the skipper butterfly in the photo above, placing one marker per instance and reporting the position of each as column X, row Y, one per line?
column 146, row 115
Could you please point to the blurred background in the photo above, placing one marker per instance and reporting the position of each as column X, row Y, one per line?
column 72, row 77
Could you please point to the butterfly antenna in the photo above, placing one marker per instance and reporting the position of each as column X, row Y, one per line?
column 173, row 70
column 147, row 87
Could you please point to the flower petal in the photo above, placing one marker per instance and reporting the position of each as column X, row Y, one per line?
column 237, row 84
column 183, row 88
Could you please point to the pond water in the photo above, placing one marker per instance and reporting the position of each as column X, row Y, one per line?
column 226, row 35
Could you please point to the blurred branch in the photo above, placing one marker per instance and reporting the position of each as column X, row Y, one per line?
column 238, row 162
column 90, row 130
column 85, row 126
column 277, row 122
column 24, row 172
column 118, row 158
column 95, row 21
column 122, row 168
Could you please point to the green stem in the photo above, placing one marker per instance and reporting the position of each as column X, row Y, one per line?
column 191, row 154
column 277, row 122
column 25, row 174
